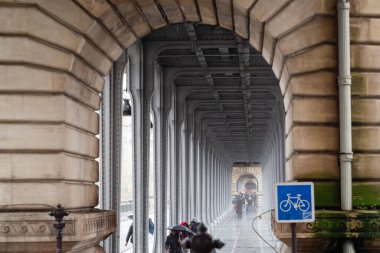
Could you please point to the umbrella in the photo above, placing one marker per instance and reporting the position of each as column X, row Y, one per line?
column 180, row 229
column 130, row 216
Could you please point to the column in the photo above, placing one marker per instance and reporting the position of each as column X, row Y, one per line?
column 111, row 133
column 204, row 182
column 161, row 108
column 185, row 175
column 174, row 179
column 141, row 91
column 192, row 177
column 208, row 184
column 199, row 198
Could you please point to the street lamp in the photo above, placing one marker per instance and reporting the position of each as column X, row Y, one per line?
column 59, row 212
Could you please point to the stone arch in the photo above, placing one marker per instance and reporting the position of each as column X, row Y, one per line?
column 55, row 54
column 89, row 35
column 249, row 177
column 239, row 172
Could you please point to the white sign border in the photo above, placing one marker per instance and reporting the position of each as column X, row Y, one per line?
column 312, row 204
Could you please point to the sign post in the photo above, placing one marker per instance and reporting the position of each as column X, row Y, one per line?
column 294, row 204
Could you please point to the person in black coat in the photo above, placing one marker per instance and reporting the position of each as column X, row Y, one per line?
column 129, row 235
column 130, row 231
column 194, row 225
column 173, row 243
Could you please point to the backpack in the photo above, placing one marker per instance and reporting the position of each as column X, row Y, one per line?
column 151, row 227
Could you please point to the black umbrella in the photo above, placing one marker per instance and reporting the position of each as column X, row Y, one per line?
column 180, row 229
column 130, row 216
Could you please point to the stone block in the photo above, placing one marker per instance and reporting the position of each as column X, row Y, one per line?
column 317, row 31
column 172, row 11
column 69, row 13
column 103, row 11
column 315, row 110
column 365, row 111
column 318, row 58
column 315, row 84
column 21, row 79
column 264, row 10
column 118, row 28
column 95, row 58
column 366, row 138
column 365, row 84
column 289, row 123
column 29, row 21
column 22, row 49
column 314, row 139
column 256, row 33
column 296, row 13
column 133, row 17
column 278, row 62
column 365, row 57
column 207, row 12
column 96, row 8
column 284, row 79
column 288, row 97
column 223, row 8
column 47, row 137
column 45, row 194
column 318, row 84
column 306, row 167
column 189, row 9
column 261, row 12
column 321, row 29
column 45, row 108
column 58, row 166
column 293, row 15
column 240, row 10
column 152, row 13
column 33, row 232
column 269, row 44
column 365, row 7
column 364, row 30
column 366, row 166
column 104, row 41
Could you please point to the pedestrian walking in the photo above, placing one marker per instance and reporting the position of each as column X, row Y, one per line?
column 194, row 224
column 184, row 235
column 173, row 242
column 239, row 206
column 129, row 235
column 249, row 204
column 130, row 230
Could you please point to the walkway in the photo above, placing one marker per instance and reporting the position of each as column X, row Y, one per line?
column 239, row 236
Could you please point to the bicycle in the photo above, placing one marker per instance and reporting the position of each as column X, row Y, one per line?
column 296, row 202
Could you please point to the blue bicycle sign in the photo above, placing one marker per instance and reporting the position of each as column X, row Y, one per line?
column 294, row 202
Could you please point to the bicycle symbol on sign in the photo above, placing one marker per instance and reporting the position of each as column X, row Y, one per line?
column 296, row 202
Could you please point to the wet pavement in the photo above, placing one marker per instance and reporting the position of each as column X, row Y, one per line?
column 238, row 235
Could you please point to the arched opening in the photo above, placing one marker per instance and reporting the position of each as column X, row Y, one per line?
column 89, row 35
column 247, row 184
column 216, row 90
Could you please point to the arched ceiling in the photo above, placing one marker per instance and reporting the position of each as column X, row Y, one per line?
column 233, row 86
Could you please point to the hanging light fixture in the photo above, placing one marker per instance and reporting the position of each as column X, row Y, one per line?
column 127, row 109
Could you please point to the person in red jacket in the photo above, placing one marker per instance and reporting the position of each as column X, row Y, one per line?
column 184, row 235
